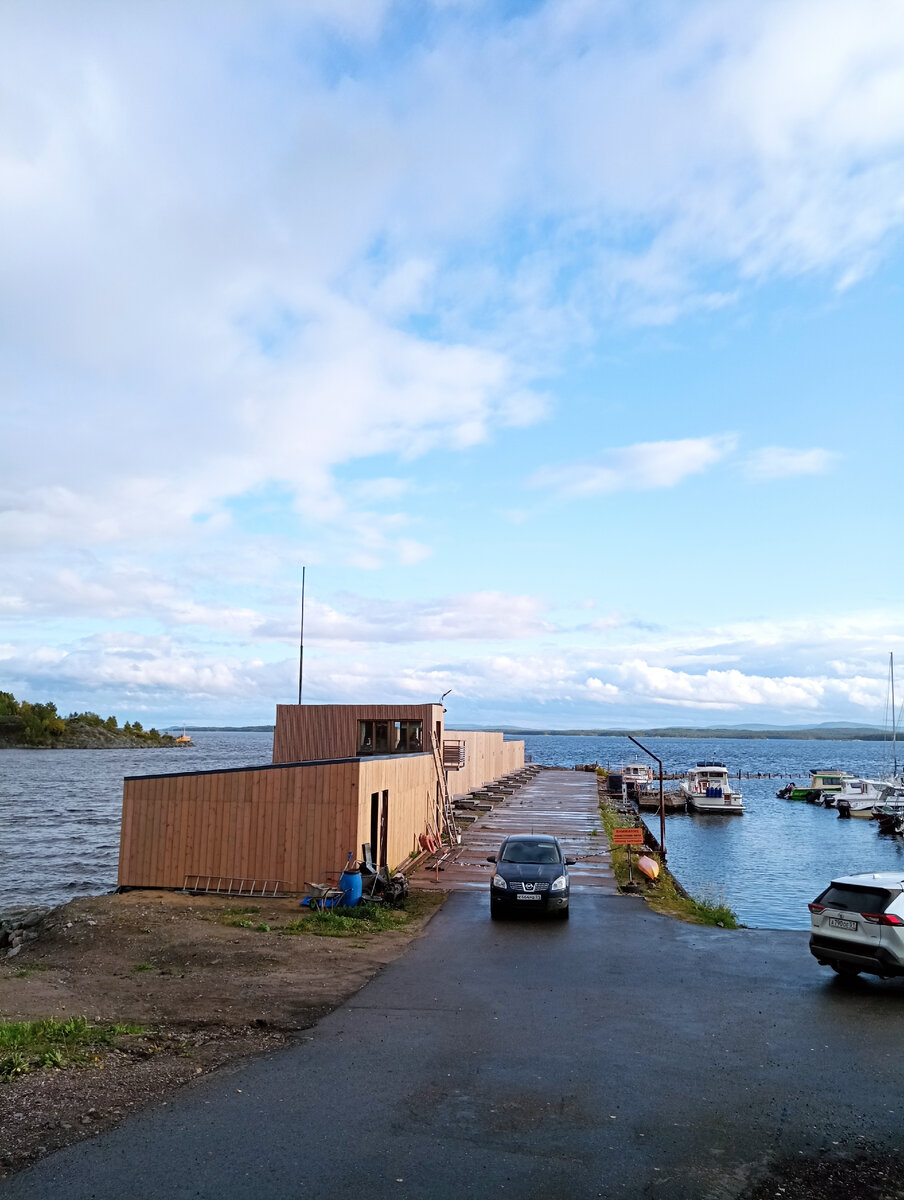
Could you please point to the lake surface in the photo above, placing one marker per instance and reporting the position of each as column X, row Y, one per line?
column 60, row 814
column 60, row 810
column 768, row 863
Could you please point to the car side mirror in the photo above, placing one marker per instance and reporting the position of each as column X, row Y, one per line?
column 491, row 858
column 569, row 862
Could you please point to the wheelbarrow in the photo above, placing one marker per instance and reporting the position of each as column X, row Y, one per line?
column 322, row 896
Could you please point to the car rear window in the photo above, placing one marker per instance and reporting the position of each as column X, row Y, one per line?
column 855, row 898
column 530, row 852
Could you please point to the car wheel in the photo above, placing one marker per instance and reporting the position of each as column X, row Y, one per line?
column 563, row 912
column 845, row 970
column 495, row 914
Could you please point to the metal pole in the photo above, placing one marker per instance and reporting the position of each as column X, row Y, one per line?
column 894, row 719
column 301, row 640
column 661, row 798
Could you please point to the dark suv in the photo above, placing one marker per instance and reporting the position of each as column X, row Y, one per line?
column 531, row 874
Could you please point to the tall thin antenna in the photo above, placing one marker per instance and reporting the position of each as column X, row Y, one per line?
column 301, row 640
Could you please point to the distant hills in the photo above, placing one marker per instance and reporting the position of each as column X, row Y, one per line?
column 808, row 733
column 831, row 731
column 222, row 728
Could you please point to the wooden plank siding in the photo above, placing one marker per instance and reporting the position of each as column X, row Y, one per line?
column 293, row 821
column 487, row 756
column 325, row 731
column 289, row 822
column 411, row 784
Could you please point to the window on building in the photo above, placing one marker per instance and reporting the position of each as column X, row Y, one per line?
column 390, row 737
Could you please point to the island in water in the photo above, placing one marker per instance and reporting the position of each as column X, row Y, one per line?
column 40, row 727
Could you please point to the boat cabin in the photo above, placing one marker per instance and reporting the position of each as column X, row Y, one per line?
column 827, row 781
column 711, row 773
column 637, row 773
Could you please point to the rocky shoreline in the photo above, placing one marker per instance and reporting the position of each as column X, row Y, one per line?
column 91, row 737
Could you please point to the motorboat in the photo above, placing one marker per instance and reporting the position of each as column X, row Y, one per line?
column 706, row 789
column 859, row 797
column 636, row 776
column 822, row 786
column 630, row 780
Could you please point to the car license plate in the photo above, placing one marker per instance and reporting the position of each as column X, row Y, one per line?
column 528, row 896
column 840, row 923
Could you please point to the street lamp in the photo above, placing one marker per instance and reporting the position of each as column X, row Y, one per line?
column 661, row 800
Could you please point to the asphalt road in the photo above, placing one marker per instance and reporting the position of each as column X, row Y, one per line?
column 620, row 1054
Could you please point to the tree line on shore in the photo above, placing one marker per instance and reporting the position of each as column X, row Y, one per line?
column 41, row 725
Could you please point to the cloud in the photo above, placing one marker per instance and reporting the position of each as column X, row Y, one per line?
column 642, row 467
column 758, row 671
column 778, row 462
column 512, row 184
column 477, row 616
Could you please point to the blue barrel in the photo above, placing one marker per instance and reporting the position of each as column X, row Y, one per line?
column 350, row 882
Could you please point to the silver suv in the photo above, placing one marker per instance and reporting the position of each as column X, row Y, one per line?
column 857, row 925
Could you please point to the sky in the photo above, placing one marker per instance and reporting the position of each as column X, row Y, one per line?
column 560, row 343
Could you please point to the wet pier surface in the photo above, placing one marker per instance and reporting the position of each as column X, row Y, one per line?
column 560, row 802
column 618, row 1055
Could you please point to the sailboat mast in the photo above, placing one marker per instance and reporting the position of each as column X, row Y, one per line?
column 894, row 721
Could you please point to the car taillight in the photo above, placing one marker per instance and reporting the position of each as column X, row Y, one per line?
column 882, row 919
column 816, row 908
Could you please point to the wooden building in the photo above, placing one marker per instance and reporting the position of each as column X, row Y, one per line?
column 332, row 789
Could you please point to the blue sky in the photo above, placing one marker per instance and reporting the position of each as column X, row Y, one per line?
column 561, row 341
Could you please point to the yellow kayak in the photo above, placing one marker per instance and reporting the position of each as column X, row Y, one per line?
column 649, row 866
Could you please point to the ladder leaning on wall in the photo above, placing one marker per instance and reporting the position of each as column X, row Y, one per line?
column 448, row 811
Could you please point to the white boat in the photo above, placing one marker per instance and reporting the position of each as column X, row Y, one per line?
column 859, row 797
column 636, row 775
column 706, row 789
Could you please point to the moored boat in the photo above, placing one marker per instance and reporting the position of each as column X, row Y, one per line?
column 859, row 797
column 707, row 790
column 822, row 785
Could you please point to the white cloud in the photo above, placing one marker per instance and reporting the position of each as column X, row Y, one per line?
column 641, row 467
column 235, row 270
column 778, row 462
column 759, row 672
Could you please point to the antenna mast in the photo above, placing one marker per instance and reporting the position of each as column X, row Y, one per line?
column 301, row 640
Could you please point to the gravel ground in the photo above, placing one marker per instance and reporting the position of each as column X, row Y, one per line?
column 206, row 992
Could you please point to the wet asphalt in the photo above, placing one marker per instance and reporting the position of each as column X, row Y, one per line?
column 618, row 1054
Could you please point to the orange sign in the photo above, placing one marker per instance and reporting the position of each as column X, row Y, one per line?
column 628, row 837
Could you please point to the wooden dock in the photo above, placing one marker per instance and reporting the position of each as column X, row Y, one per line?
column 557, row 801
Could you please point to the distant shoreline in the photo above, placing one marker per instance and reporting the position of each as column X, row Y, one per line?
column 813, row 734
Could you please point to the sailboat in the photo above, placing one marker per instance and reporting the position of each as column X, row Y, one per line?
column 895, row 779
column 890, row 809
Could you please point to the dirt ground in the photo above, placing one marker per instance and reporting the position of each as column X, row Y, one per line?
column 207, row 993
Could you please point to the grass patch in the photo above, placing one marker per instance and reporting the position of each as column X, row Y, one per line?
column 29, row 1045
column 31, row 969
column 363, row 918
column 143, row 966
column 663, row 896
column 242, row 918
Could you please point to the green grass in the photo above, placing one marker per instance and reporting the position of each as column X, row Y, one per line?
column 31, row 969
column 363, row 918
column 143, row 966
column 663, row 896
column 29, row 1045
